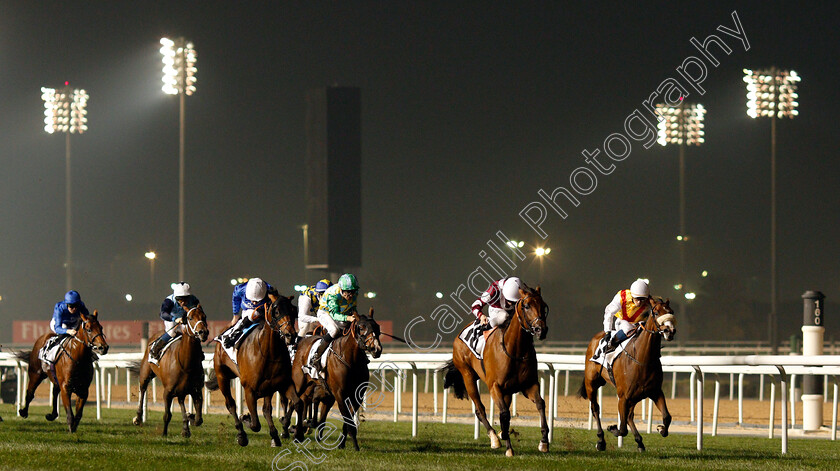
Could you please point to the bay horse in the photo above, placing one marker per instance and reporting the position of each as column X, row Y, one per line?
column 180, row 372
column 637, row 372
column 264, row 367
column 347, row 374
column 73, row 369
column 509, row 367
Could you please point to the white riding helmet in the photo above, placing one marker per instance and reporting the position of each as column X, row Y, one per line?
column 255, row 289
column 639, row 289
column 181, row 288
column 510, row 289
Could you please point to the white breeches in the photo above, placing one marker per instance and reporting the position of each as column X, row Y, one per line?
column 497, row 316
column 328, row 323
column 170, row 327
column 306, row 324
column 621, row 324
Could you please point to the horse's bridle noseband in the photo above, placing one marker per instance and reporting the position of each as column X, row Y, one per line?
column 194, row 328
column 523, row 321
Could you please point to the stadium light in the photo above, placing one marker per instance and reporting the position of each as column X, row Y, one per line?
column 771, row 93
column 681, row 125
column 179, row 77
column 64, row 111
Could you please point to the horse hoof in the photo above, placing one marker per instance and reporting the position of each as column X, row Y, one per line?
column 601, row 446
column 662, row 430
column 198, row 422
column 135, row 421
column 509, row 452
column 242, row 439
column 51, row 417
column 641, row 449
column 284, row 435
column 23, row 413
column 186, row 433
column 543, row 447
column 494, row 440
column 275, row 442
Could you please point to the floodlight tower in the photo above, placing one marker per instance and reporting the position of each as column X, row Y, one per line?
column 681, row 125
column 179, row 71
column 64, row 111
column 772, row 93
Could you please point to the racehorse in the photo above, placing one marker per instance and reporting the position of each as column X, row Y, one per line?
column 73, row 369
column 637, row 372
column 509, row 366
column 180, row 371
column 347, row 373
column 263, row 368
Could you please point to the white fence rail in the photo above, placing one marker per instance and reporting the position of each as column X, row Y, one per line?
column 777, row 366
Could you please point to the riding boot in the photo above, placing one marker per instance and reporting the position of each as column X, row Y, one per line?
column 616, row 340
column 234, row 336
column 158, row 345
column 316, row 358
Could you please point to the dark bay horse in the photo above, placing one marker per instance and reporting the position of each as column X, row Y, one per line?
column 264, row 367
column 509, row 367
column 637, row 372
column 180, row 372
column 73, row 369
column 347, row 374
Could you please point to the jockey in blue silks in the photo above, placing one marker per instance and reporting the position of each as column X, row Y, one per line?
column 172, row 312
column 250, row 301
column 67, row 314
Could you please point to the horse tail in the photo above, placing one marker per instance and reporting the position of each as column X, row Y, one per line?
column 23, row 355
column 582, row 390
column 212, row 383
column 134, row 367
column 454, row 379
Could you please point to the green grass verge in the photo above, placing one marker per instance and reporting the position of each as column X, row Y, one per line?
column 114, row 443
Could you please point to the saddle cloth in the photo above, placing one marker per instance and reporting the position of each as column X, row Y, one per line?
column 607, row 359
column 475, row 338
column 49, row 351
column 163, row 350
column 231, row 352
column 310, row 370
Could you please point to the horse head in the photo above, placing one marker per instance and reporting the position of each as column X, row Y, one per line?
column 197, row 323
column 366, row 331
column 91, row 333
column 664, row 318
column 281, row 318
column 533, row 311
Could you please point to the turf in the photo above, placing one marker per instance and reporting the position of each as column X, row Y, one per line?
column 114, row 443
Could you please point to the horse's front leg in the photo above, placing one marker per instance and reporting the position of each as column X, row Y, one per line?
column 167, row 410
column 471, row 385
column 624, row 409
column 636, row 435
column 81, row 400
column 54, row 414
column 251, row 417
column 185, row 418
column 348, row 416
column 196, row 418
column 533, row 393
column 666, row 416
column 230, row 404
column 68, row 408
column 272, row 430
column 504, row 416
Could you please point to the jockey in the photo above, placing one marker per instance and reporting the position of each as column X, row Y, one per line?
column 501, row 296
column 250, row 301
column 337, row 307
column 628, row 306
column 67, row 314
column 308, row 303
column 172, row 312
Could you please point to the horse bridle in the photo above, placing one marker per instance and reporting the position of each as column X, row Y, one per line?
column 364, row 341
column 280, row 327
column 89, row 332
column 523, row 321
column 194, row 328
column 658, row 329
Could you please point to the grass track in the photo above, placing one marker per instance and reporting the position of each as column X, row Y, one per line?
column 114, row 443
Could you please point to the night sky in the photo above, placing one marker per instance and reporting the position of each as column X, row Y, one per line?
column 468, row 109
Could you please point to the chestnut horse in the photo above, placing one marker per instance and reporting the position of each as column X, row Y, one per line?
column 180, row 372
column 264, row 367
column 73, row 369
column 347, row 374
column 637, row 372
column 509, row 367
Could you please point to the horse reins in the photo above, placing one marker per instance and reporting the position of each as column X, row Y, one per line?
column 522, row 323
